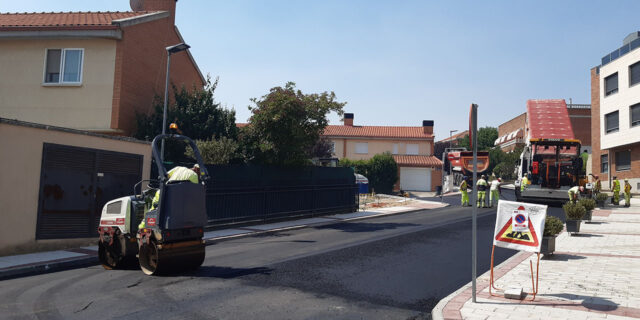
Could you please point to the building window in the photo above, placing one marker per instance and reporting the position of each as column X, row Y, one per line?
column 634, row 115
column 611, row 84
column 623, row 160
column 395, row 148
column 362, row 147
column 611, row 122
column 634, row 73
column 63, row 66
column 604, row 163
column 412, row 149
column 333, row 147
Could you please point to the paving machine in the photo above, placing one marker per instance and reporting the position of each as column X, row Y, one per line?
column 171, row 239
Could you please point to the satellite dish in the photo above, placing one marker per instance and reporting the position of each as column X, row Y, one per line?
column 137, row 5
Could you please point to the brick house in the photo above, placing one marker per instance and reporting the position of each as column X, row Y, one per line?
column 615, row 120
column 411, row 147
column 90, row 70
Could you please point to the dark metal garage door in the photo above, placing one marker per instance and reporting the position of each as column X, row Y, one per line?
column 75, row 184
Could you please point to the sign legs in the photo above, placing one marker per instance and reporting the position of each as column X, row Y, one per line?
column 534, row 283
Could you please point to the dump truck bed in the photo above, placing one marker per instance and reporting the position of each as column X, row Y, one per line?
column 549, row 119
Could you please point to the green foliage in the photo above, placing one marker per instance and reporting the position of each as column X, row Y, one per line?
column 486, row 137
column 601, row 197
column 573, row 211
column 588, row 204
column 286, row 124
column 552, row 226
column 503, row 164
column 220, row 151
column 381, row 170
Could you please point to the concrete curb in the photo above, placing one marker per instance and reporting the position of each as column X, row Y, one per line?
column 92, row 260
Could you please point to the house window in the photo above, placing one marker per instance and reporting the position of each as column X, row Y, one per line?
column 362, row 147
column 63, row 66
column 412, row 149
column 604, row 163
column 611, row 84
column 395, row 148
column 611, row 122
column 623, row 160
column 333, row 147
column 634, row 73
column 634, row 115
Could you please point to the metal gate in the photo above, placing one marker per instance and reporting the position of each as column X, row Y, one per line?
column 75, row 183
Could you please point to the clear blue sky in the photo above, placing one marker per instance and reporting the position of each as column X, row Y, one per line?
column 397, row 62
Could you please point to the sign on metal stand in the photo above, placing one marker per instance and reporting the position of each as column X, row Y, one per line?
column 473, row 139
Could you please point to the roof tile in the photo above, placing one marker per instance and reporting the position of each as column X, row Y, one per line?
column 73, row 20
column 417, row 161
column 376, row 132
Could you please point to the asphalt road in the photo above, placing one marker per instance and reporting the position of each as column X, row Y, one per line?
column 394, row 267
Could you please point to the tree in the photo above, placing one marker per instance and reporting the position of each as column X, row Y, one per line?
column 381, row 170
column 322, row 149
column 196, row 113
column 285, row 125
column 486, row 138
column 220, row 151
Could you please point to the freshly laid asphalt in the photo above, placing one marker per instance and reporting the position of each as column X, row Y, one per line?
column 393, row 267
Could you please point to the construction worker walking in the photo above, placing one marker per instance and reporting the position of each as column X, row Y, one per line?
column 495, row 192
column 482, row 189
column 616, row 191
column 627, row 193
column 465, row 195
column 597, row 185
column 574, row 192
column 524, row 183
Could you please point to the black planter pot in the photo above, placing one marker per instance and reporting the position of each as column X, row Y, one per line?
column 600, row 204
column 573, row 226
column 548, row 245
column 587, row 216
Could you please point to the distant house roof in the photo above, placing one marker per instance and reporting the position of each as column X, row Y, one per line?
column 456, row 136
column 417, row 161
column 66, row 20
column 377, row 132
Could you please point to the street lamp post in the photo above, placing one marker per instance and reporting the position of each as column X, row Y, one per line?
column 170, row 50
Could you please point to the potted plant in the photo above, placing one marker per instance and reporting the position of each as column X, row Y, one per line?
column 601, row 198
column 574, row 213
column 552, row 227
column 589, row 205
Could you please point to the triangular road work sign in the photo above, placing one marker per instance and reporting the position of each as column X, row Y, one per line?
column 507, row 234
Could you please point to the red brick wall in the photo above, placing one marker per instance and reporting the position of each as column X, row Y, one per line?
column 595, row 126
column 436, row 177
column 634, row 173
column 140, row 70
column 512, row 125
column 581, row 123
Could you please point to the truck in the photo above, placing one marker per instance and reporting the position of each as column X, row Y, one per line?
column 172, row 237
column 551, row 156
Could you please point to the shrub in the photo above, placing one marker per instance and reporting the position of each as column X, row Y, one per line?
column 573, row 211
column 552, row 226
column 381, row 170
column 601, row 197
column 588, row 204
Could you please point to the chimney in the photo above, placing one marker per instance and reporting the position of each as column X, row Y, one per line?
column 155, row 5
column 427, row 126
column 348, row 119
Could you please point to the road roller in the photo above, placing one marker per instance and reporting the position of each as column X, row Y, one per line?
column 170, row 240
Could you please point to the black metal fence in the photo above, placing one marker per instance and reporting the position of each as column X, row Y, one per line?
column 246, row 193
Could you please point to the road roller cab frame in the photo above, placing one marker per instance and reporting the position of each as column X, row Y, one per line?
column 172, row 237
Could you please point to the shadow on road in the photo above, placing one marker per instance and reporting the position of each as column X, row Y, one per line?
column 562, row 257
column 227, row 272
column 366, row 227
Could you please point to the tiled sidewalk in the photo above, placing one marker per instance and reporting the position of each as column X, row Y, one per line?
column 592, row 275
column 35, row 263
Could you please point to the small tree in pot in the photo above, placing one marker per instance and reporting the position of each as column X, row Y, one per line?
column 574, row 213
column 589, row 205
column 601, row 198
column 552, row 227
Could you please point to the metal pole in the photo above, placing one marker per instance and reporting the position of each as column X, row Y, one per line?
column 474, row 211
column 166, row 97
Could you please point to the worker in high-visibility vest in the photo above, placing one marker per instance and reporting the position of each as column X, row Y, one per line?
column 524, row 183
column 574, row 192
column 176, row 174
column 597, row 186
column 465, row 195
column 585, row 157
column 482, row 189
column 616, row 190
column 494, row 196
column 627, row 193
